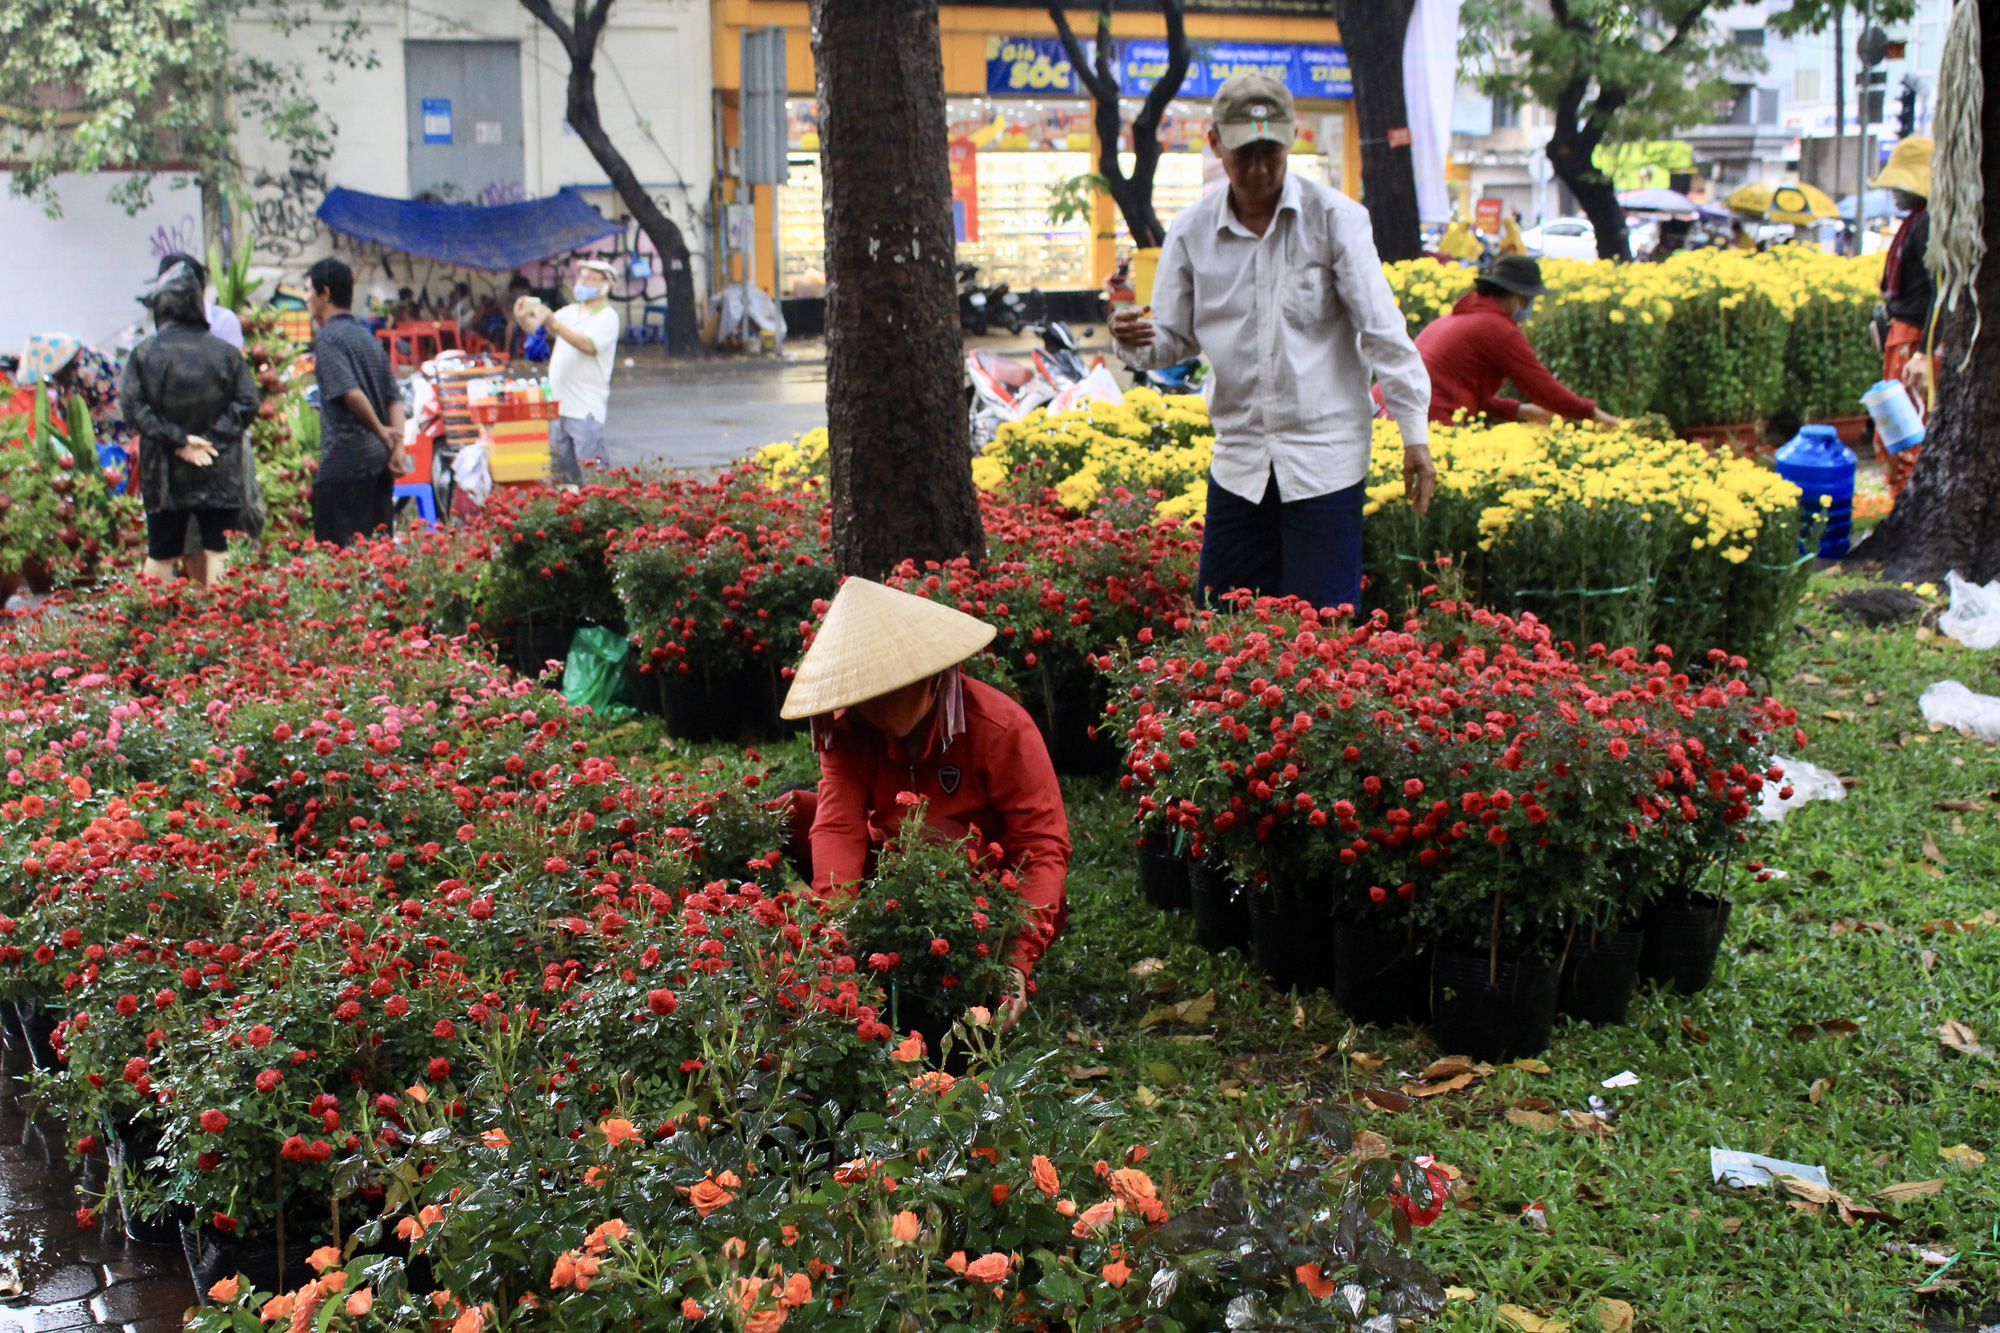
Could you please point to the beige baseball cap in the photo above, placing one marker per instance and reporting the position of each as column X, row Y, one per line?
column 1253, row 107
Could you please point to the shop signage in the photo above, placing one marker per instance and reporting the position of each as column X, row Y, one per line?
column 1031, row 66
column 965, row 188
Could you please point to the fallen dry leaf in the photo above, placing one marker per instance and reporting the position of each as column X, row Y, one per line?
column 1589, row 1124
column 1144, row 1096
column 1818, row 1090
column 1929, row 958
column 1387, row 1100
column 1528, row 1119
column 1534, row 1104
column 1299, row 1017
column 1083, row 1072
column 1956, row 1036
column 1961, row 807
column 1688, row 1027
column 1527, row 1321
column 1452, row 1084
column 1909, row 1189
column 1825, row 1027
column 1460, row 1294
column 1451, row 1066
column 1931, row 852
column 1816, row 1195
column 1614, row 1316
column 1146, row 967
column 1529, row 1066
column 1367, row 1061
column 1731, row 1225
column 1963, row 1155
column 1189, row 1012
column 1368, row 1145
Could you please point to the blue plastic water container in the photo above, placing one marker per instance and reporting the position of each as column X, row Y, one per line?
column 1822, row 468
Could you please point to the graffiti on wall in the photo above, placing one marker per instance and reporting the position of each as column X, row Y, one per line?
column 182, row 238
column 284, row 217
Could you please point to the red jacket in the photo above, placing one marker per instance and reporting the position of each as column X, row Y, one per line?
column 1472, row 351
column 996, row 776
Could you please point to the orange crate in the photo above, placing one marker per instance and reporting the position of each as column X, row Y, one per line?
column 491, row 412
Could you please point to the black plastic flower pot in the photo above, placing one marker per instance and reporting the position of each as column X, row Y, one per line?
column 1221, row 911
column 1600, row 972
column 213, row 1255
column 736, row 705
column 38, row 1025
column 128, row 1149
column 1163, row 876
column 539, row 640
column 1491, row 1013
column 1683, row 939
column 1381, row 977
column 1291, row 938
column 1065, row 712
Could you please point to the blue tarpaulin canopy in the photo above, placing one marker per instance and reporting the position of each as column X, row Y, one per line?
column 495, row 237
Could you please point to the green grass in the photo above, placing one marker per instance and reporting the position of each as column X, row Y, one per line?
column 1634, row 1217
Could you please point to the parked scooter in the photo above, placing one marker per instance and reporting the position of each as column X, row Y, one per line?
column 979, row 308
column 997, row 389
column 1057, row 360
column 1181, row 377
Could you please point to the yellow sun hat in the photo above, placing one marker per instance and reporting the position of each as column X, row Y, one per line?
column 1909, row 168
column 874, row 640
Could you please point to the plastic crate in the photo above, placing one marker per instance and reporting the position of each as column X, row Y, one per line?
column 488, row 413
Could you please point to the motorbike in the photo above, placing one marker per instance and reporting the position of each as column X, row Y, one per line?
column 1057, row 360
column 997, row 389
column 1181, row 377
column 979, row 308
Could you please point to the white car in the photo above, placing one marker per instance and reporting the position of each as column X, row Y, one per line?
column 1562, row 238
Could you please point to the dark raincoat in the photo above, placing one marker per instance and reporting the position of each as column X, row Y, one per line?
column 186, row 381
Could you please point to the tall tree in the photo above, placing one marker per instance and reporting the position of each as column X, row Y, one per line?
column 579, row 35
column 1948, row 518
column 156, row 86
column 898, row 455
column 1133, row 191
column 1373, row 31
column 1610, row 70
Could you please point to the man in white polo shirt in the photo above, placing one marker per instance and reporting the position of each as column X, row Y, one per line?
column 584, row 338
column 1276, row 278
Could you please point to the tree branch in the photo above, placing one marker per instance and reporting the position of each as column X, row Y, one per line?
column 546, row 14
column 1074, row 50
column 593, row 26
column 1169, row 84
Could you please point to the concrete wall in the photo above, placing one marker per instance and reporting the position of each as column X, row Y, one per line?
column 654, row 97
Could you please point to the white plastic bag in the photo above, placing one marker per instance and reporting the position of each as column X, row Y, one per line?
column 1974, row 618
column 1097, row 386
column 1960, row 709
column 1809, row 782
column 470, row 473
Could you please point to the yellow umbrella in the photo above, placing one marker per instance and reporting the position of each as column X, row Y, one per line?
column 1783, row 203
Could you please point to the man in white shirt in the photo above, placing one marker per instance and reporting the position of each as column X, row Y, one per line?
column 584, row 335
column 1276, row 278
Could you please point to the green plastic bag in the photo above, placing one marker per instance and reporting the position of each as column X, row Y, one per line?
column 594, row 675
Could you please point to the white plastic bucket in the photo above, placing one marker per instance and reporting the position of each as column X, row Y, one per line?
column 1897, row 422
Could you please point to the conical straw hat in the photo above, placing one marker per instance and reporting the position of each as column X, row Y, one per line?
column 874, row 640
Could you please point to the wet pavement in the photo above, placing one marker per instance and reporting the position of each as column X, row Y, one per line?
column 70, row 1278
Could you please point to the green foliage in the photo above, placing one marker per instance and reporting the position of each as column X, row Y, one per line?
column 1070, row 200
column 87, row 85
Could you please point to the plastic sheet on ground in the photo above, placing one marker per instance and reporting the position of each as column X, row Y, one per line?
column 1974, row 618
column 1809, row 782
column 1746, row 1170
column 1950, row 703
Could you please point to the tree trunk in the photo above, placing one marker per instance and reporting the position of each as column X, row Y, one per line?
column 1570, row 149
column 1948, row 518
column 580, row 44
column 1373, row 32
column 1132, row 193
column 898, row 452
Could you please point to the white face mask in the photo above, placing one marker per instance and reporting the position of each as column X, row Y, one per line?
column 1521, row 315
column 585, row 292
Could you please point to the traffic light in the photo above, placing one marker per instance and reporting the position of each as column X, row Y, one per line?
column 1906, row 109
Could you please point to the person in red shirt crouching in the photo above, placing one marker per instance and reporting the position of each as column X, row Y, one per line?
column 1479, row 346
column 891, row 713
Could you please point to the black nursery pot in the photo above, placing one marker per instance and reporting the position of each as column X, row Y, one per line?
column 1221, row 910
column 213, row 1255
column 540, row 639
column 127, row 1149
column 37, row 1026
column 1683, row 938
column 1380, row 976
column 1600, row 972
column 1291, row 938
column 1163, row 876
column 726, row 706
column 1491, row 1015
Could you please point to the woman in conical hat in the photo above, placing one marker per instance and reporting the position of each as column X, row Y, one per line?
column 892, row 713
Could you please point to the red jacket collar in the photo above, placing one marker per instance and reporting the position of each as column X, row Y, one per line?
column 1478, row 303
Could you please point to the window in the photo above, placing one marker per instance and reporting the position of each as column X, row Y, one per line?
column 1750, row 37
column 1506, row 113
column 1767, row 106
column 1739, row 109
column 1565, row 229
column 1805, row 85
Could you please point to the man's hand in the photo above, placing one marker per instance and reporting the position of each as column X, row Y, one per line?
column 1132, row 328
column 1014, row 1005
column 1419, row 477
column 400, row 462
column 529, row 312
column 1916, row 377
column 1532, row 415
column 197, row 451
column 1604, row 418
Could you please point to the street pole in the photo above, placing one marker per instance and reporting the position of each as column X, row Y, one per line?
column 1839, row 91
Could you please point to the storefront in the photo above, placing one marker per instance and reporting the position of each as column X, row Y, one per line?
column 1021, row 126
